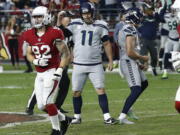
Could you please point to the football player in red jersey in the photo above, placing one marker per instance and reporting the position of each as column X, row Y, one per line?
column 44, row 49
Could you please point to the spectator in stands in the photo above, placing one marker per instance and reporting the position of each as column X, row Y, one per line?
column 12, row 31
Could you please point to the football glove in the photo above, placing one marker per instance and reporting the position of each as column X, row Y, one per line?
column 58, row 74
column 40, row 62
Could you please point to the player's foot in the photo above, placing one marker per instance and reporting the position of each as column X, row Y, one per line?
column 29, row 111
column 178, row 70
column 110, row 121
column 131, row 115
column 62, row 110
column 56, row 132
column 76, row 121
column 125, row 121
column 164, row 76
column 65, row 124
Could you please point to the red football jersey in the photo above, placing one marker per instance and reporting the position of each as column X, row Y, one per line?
column 44, row 46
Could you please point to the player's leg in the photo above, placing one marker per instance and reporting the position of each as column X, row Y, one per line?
column 96, row 76
column 79, row 76
column 49, row 93
column 167, row 57
column 31, row 103
column 132, row 75
column 176, row 48
column 63, row 90
column 154, row 56
column 161, row 52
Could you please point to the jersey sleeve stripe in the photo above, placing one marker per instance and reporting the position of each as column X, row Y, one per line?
column 75, row 23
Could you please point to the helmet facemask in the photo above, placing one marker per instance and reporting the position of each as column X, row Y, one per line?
column 40, row 17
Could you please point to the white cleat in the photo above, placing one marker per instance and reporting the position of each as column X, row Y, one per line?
column 125, row 121
column 76, row 121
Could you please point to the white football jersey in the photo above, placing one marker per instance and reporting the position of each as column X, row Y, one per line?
column 165, row 25
column 172, row 23
column 127, row 30
column 87, row 40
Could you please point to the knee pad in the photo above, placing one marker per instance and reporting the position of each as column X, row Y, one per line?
column 51, row 109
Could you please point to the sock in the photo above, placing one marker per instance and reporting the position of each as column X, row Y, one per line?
column 165, row 71
column 55, row 122
column 77, row 116
column 62, row 117
column 144, row 85
column 122, row 116
column 103, row 102
column 167, row 63
column 161, row 54
column 77, row 104
column 135, row 92
column 53, row 116
column 106, row 116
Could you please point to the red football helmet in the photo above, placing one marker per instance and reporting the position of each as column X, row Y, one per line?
column 177, row 100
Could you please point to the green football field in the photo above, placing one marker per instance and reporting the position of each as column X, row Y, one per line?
column 155, row 107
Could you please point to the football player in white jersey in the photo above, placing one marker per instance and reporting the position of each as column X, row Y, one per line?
column 172, row 43
column 128, row 41
column 88, row 34
column 163, row 40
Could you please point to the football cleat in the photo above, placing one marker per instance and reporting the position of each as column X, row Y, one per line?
column 65, row 124
column 131, row 115
column 125, row 121
column 56, row 132
column 29, row 111
column 110, row 121
column 164, row 76
column 76, row 121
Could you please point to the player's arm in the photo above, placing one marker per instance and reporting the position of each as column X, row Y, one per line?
column 65, row 59
column 130, row 45
column 65, row 53
column 36, row 61
column 29, row 55
column 108, row 51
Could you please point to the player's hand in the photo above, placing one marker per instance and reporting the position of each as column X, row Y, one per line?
column 110, row 66
column 58, row 74
column 143, row 67
column 40, row 62
column 145, row 58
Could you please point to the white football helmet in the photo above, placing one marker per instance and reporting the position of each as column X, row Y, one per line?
column 40, row 11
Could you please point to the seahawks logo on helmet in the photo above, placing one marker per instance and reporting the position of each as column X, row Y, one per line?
column 86, row 8
column 134, row 16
